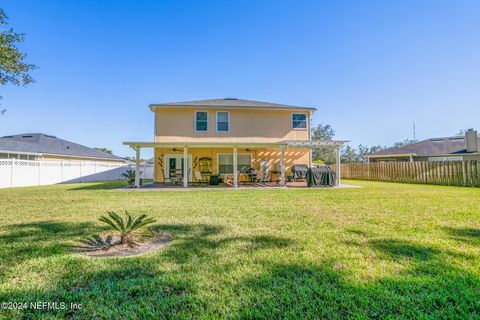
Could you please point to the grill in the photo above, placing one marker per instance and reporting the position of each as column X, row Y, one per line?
column 299, row 171
column 320, row 177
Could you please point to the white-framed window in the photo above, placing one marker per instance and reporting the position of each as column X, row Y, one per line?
column 299, row 120
column 223, row 121
column 225, row 162
column 201, row 121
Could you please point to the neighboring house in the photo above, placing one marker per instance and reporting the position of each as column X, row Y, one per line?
column 222, row 136
column 434, row 149
column 36, row 146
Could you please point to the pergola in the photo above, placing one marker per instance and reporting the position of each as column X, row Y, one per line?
column 282, row 145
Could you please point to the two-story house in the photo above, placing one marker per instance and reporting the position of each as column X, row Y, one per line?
column 223, row 136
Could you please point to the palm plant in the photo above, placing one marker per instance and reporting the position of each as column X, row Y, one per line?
column 96, row 243
column 127, row 225
column 130, row 176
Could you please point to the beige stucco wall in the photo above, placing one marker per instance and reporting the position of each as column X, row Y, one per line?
column 246, row 125
column 272, row 156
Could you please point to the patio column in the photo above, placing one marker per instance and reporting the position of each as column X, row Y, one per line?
column 282, row 166
column 337, row 166
column 185, row 167
column 235, row 167
column 137, row 167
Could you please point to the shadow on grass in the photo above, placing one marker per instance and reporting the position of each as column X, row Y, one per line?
column 158, row 286
column 25, row 241
column 193, row 278
column 118, row 289
column 201, row 241
column 320, row 292
column 468, row 235
column 103, row 185
column 396, row 249
column 429, row 287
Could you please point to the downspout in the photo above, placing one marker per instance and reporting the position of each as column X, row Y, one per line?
column 154, row 169
column 310, row 137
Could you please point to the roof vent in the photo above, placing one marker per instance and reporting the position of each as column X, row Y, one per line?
column 27, row 136
column 49, row 136
column 7, row 136
column 230, row 99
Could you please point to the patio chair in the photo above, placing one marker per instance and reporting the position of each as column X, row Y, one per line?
column 228, row 178
column 249, row 174
column 199, row 178
column 176, row 176
column 267, row 177
column 260, row 176
column 172, row 176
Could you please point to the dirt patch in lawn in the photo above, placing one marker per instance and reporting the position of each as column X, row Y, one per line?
column 109, row 246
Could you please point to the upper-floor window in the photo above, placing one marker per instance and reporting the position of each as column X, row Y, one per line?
column 299, row 120
column 223, row 121
column 201, row 121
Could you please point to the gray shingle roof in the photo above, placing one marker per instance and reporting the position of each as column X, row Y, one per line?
column 47, row 144
column 429, row 147
column 230, row 103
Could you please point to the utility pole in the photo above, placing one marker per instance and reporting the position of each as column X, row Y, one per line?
column 414, row 134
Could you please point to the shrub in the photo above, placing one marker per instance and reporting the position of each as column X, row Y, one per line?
column 126, row 226
column 130, row 176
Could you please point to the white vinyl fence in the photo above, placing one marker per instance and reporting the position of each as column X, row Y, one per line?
column 23, row 173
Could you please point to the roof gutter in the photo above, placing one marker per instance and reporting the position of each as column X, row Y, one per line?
column 61, row 155
column 393, row 155
column 285, row 143
column 453, row 154
column 430, row 155
column 156, row 106
column 86, row 157
column 22, row 152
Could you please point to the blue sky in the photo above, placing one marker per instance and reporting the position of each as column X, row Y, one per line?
column 370, row 67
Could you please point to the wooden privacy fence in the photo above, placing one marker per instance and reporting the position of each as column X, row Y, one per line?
column 450, row 173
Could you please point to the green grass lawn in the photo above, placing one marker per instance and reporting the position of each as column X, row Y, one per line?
column 384, row 251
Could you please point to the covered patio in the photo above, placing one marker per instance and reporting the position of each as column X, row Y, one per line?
column 282, row 147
